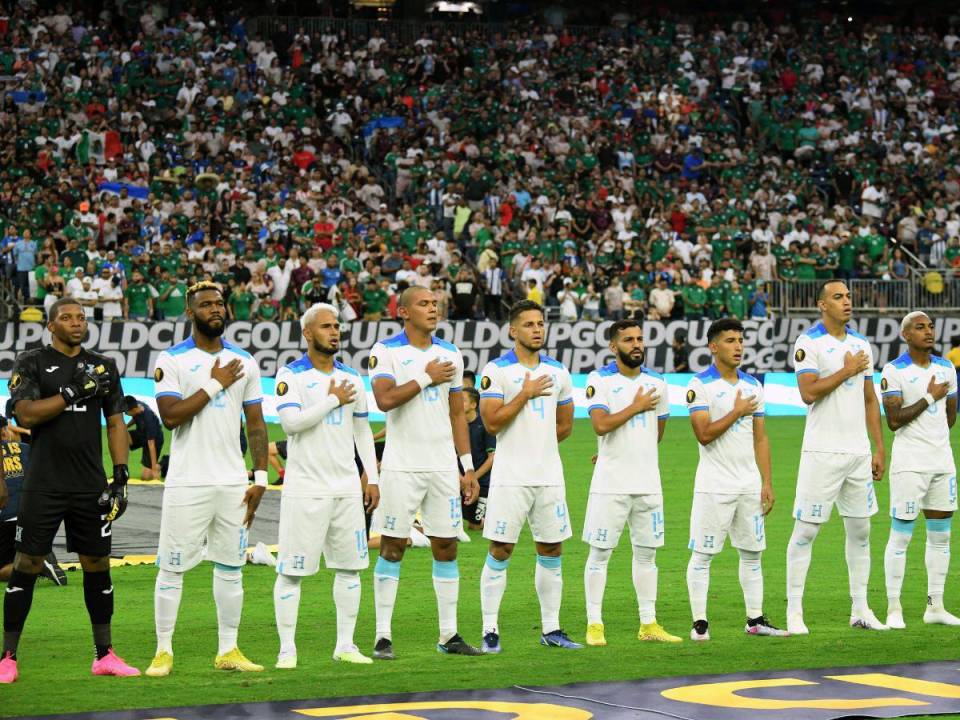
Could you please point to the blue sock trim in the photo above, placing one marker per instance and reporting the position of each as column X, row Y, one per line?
column 446, row 569
column 387, row 567
column 938, row 525
column 227, row 568
column 548, row 562
column 902, row 526
column 495, row 564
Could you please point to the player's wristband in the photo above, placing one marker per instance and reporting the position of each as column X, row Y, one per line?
column 466, row 461
column 929, row 398
column 260, row 478
column 423, row 380
column 211, row 387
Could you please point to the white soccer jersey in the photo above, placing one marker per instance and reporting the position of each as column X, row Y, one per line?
column 527, row 451
column 727, row 465
column 419, row 433
column 206, row 449
column 922, row 445
column 837, row 423
column 320, row 459
column 627, row 461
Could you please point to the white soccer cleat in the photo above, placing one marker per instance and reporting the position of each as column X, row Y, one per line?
column 939, row 616
column 866, row 620
column 462, row 534
column 287, row 661
column 895, row 620
column 795, row 625
column 418, row 539
column 262, row 556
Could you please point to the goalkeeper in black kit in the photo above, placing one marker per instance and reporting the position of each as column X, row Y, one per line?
column 59, row 392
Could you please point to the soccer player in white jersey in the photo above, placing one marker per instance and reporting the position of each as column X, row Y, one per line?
column 526, row 401
column 202, row 387
column 323, row 410
column 629, row 407
column 733, row 490
column 919, row 393
column 417, row 381
column 834, row 368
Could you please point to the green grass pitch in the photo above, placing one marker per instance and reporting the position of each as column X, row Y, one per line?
column 55, row 651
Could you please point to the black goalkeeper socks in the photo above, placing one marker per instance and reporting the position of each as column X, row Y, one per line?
column 16, row 606
column 98, row 595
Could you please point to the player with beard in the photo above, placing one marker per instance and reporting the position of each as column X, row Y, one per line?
column 60, row 393
column 202, row 386
column 323, row 410
column 526, row 400
column 417, row 380
column 629, row 407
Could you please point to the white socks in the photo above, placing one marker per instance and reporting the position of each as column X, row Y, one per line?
column 698, row 583
column 799, row 552
column 645, row 582
column 595, row 582
column 751, row 581
column 549, row 583
column 346, row 597
column 857, row 551
column 386, row 579
column 166, row 603
column 286, row 605
column 228, row 596
column 895, row 560
column 937, row 559
column 446, row 585
column 493, row 582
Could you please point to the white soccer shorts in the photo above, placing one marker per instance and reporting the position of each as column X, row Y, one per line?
column 715, row 515
column 190, row 515
column 435, row 494
column 607, row 514
column 544, row 507
column 911, row 492
column 333, row 527
column 828, row 479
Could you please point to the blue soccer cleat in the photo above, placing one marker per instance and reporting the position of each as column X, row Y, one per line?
column 558, row 638
column 491, row 644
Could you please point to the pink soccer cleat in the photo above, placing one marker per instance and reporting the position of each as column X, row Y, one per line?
column 110, row 664
column 8, row 669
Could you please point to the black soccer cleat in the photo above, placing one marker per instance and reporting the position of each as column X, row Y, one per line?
column 700, row 631
column 52, row 571
column 383, row 650
column 458, row 646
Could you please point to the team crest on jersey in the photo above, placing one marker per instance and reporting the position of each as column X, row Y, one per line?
column 691, row 395
column 15, row 381
column 484, row 382
column 282, row 388
column 591, row 391
column 799, row 355
column 158, row 374
column 373, row 362
column 883, row 383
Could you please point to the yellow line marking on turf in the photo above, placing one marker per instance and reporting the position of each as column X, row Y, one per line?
column 144, row 560
column 160, row 483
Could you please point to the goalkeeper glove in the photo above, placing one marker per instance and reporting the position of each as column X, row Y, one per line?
column 86, row 384
column 114, row 498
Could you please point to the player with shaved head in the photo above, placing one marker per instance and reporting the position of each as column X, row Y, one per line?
column 919, row 393
column 417, row 381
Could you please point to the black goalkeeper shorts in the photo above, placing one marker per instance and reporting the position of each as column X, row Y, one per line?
column 88, row 532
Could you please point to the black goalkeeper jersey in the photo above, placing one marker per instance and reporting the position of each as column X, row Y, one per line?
column 66, row 453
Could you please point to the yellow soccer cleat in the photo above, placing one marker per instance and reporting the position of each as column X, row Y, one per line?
column 161, row 666
column 653, row 632
column 595, row 637
column 236, row 661
column 352, row 656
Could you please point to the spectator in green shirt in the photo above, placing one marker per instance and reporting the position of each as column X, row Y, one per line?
column 375, row 301
column 172, row 297
column 716, row 297
column 694, row 300
column 138, row 299
column 240, row 304
column 736, row 302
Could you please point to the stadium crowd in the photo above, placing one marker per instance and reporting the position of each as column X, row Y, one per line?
column 668, row 168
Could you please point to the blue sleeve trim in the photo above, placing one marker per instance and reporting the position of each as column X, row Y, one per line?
column 697, row 408
column 759, row 414
column 950, row 395
column 458, row 388
column 564, row 402
column 801, row 372
column 169, row 393
column 597, row 407
column 663, row 417
column 491, row 395
column 892, row 392
column 256, row 401
column 286, row 405
column 382, row 375
column 361, row 414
